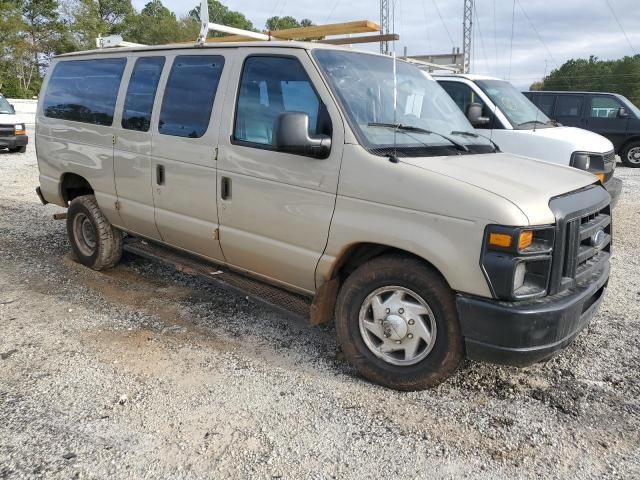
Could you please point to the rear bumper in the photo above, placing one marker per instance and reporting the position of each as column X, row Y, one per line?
column 14, row 141
column 522, row 333
column 614, row 187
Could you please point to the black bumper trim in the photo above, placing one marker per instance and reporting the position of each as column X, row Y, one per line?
column 40, row 196
column 522, row 333
column 14, row 141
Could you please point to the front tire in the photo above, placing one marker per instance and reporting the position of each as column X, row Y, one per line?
column 630, row 155
column 397, row 323
column 94, row 241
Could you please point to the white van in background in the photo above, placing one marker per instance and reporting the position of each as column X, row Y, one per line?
column 519, row 127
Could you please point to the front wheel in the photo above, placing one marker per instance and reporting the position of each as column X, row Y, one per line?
column 94, row 241
column 397, row 323
column 630, row 155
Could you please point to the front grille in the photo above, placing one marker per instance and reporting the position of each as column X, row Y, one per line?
column 7, row 130
column 579, row 248
column 609, row 157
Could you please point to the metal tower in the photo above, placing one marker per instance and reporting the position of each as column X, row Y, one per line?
column 385, row 20
column 467, row 34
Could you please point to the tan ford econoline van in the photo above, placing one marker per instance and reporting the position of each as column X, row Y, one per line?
column 297, row 164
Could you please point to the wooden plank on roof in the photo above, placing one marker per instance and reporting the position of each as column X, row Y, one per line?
column 312, row 32
column 390, row 37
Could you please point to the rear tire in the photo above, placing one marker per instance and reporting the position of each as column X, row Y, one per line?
column 630, row 155
column 385, row 306
column 94, row 241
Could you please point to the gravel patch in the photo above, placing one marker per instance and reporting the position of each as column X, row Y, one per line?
column 142, row 372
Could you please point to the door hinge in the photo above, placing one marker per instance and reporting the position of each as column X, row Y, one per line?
column 117, row 205
column 216, row 234
column 113, row 139
column 215, row 154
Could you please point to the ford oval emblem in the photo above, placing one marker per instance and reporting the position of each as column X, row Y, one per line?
column 598, row 238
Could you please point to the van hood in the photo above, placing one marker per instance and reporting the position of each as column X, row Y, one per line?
column 581, row 140
column 528, row 184
column 9, row 118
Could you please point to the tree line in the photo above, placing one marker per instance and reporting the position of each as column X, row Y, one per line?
column 616, row 76
column 33, row 31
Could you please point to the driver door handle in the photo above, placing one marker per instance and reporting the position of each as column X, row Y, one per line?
column 225, row 188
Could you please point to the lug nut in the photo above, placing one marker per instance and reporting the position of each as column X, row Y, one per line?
column 401, row 311
column 412, row 321
column 410, row 335
column 388, row 310
column 398, row 342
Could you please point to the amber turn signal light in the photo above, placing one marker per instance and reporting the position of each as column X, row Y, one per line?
column 20, row 130
column 600, row 177
column 525, row 240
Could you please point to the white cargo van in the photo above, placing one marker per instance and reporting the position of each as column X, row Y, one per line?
column 300, row 165
column 500, row 111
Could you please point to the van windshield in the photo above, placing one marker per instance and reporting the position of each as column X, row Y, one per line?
column 4, row 106
column 522, row 114
column 431, row 123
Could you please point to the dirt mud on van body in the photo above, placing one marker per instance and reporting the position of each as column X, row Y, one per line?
column 141, row 372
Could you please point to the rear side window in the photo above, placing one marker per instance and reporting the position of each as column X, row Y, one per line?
column 269, row 87
column 141, row 93
column 568, row 106
column 84, row 90
column 189, row 95
column 545, row 103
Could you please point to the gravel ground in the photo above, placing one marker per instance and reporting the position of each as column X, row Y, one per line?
column 144, row 373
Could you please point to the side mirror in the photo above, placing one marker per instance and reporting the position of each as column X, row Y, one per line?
column 291, row 135
column 474, row 114
column 622, row 112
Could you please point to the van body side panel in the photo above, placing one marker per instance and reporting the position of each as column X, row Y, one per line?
column 83, row 149
column 433, row 216
column 276, row 221
column 185, row 203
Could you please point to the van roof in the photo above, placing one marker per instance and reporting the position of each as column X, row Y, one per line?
column 214, row 45
column 571, row 92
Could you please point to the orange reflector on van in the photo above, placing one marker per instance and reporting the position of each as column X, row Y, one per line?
column 500, row 240
column 600, row 177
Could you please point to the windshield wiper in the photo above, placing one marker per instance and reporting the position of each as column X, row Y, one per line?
column 536, row 122
column 476, row 135
column 410, row 128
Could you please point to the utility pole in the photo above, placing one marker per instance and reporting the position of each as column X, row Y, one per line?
column 467, row 34
column 385, row 20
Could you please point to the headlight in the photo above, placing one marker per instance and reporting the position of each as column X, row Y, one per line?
column 591, row 162
column 517, row 260
column 581, row 161
column 20, row 130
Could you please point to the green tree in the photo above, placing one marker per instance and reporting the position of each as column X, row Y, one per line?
column 93, row 18
column 618, row 76
column 219, row 13
column 155, row 25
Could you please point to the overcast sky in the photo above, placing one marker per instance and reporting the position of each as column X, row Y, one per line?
column 545, row 32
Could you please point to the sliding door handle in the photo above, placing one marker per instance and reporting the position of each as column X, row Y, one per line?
column 160, row 174
column 225, row 188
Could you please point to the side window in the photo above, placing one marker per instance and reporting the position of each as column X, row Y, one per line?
column 463, row 95
column 84, row 90
column 568, row 106
column 141, row 93
column 189, row 95
column 270, row 86
column 545, row 103
column 604, row 107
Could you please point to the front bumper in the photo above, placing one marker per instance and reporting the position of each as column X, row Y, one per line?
column 614, row 187
column 522, row 333
column 14, row 141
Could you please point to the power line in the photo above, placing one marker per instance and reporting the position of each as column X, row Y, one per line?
column 533, row 27
column 621, row 27
column 443, row 23
column 335, row 5
column 426, row 24
column 484, row 52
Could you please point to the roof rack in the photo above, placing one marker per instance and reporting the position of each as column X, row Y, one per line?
column 314, row 33
column 114, row 41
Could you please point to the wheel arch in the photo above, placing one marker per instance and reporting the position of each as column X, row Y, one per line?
column 73, row 185
column 625, row 144
column 350, row 258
